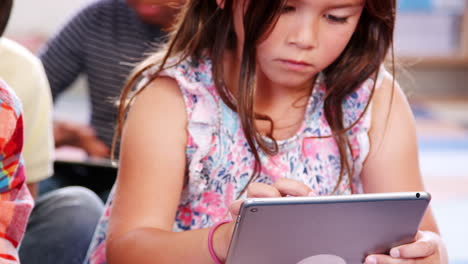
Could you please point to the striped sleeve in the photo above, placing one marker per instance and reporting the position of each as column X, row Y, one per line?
column 15, row 200
column 63, row 56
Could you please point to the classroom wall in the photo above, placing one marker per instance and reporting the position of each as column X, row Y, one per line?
column 41, row 16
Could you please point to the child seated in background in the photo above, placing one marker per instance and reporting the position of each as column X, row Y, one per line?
column 103, row 41
column 62, row 222
column 16, row 202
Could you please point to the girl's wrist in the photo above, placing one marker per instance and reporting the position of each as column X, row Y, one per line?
column 441, row 247
column 220, row 239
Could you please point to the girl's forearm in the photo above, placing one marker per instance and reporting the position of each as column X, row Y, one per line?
column 150, row 245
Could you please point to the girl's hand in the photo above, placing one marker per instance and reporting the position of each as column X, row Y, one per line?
column 426, row 249
column 282, row 187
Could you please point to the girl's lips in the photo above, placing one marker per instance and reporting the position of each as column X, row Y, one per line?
column 296, row 65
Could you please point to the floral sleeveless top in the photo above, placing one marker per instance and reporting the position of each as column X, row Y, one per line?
column 219, row 161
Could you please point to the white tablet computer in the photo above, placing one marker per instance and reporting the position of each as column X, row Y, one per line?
column 324, row 230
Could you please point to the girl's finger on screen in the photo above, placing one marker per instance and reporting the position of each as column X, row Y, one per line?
column 290, row 187
column 262, row 190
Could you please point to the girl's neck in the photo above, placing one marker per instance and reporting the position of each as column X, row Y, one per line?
column 269, row 94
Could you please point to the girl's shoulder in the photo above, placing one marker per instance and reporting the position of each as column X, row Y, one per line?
column 362, row 95
column 383, row 76
column 358, row 105
column 193, row 77
column 192, row 74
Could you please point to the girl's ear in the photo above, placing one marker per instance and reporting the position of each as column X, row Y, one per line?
column 220, row 3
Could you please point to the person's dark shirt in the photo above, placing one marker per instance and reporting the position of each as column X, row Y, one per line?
column 104, row 41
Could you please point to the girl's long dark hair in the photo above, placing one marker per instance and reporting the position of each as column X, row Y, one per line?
column 5, row 10
column 202, row 26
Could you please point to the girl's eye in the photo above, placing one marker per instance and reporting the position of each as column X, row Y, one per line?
column 288, row 9
column 336, row 19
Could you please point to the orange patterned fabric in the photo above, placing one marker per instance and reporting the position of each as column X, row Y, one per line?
column 15, row 200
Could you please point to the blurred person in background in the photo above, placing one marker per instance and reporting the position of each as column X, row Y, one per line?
column 62, row 222
column 15, row 200
column 103, row 41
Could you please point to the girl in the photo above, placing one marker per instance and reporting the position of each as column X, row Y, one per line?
column 260, row 98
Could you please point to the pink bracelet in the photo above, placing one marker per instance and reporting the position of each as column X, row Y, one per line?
column 210, row 240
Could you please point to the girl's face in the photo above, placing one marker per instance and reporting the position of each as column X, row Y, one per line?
column 156, row 12
column 308, row 37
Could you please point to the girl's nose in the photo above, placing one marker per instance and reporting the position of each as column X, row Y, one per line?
column 304, row 34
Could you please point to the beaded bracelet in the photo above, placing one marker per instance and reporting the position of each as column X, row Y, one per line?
column 210, row 240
